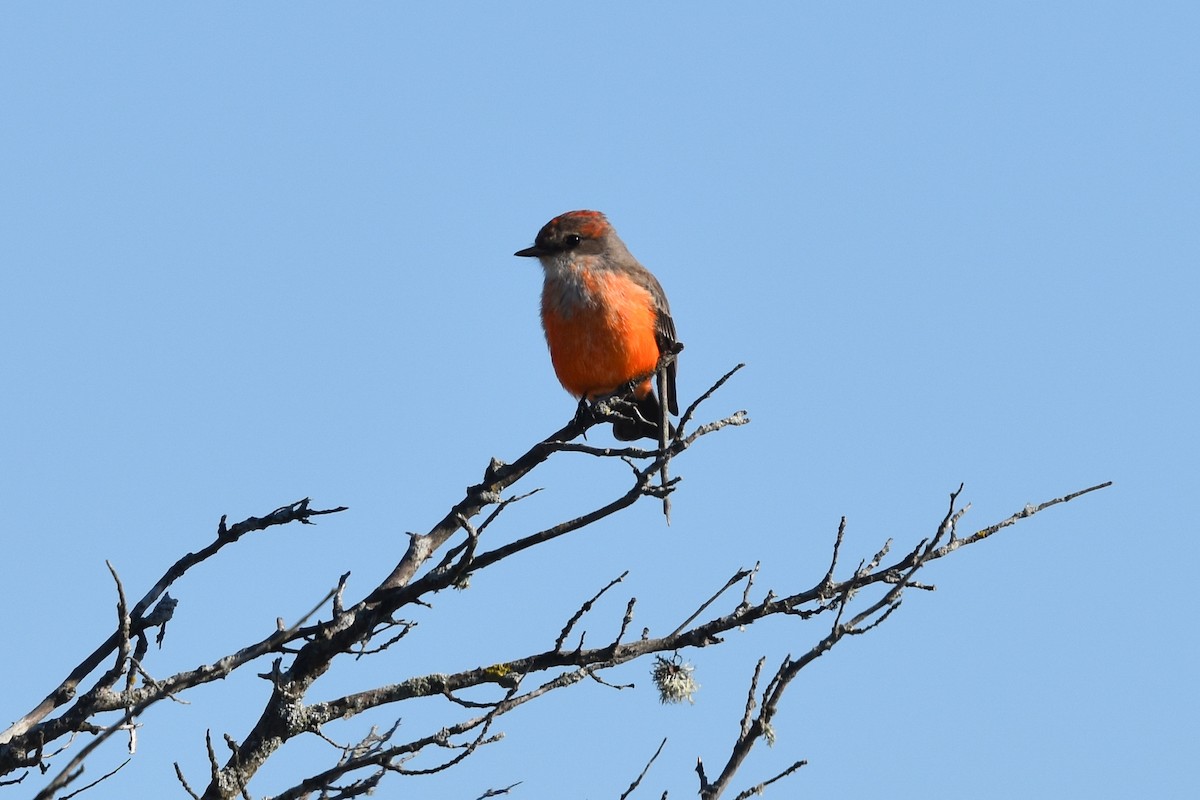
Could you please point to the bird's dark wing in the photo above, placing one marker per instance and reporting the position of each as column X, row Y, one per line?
column 664, row 332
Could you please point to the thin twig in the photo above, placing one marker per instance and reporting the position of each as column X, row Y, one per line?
column 583, row 609
column 737, row 576
column 664, row 417
column 625, row 794
column 758, row 789
column 691, row 410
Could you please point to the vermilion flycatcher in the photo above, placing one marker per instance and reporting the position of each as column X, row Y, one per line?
column 606, row 317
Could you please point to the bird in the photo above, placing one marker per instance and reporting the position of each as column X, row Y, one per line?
column 606, row 319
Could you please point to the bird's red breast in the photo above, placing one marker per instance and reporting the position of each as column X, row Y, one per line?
column 601, row 333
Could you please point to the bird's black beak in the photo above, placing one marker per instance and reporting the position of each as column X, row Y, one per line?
column 530, row 252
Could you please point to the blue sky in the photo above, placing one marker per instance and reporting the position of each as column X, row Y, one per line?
column 256, row 252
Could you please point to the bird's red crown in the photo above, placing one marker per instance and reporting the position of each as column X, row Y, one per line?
column 588, row 224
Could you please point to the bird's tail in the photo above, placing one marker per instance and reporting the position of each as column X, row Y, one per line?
column 630, row 429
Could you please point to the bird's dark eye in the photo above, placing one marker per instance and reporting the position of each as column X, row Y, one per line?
column 572, row 241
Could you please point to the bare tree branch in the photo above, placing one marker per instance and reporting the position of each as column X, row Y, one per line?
column 301, row 653
column 294, row 512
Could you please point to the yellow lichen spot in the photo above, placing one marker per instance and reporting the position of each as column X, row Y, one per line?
column 498, row 670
